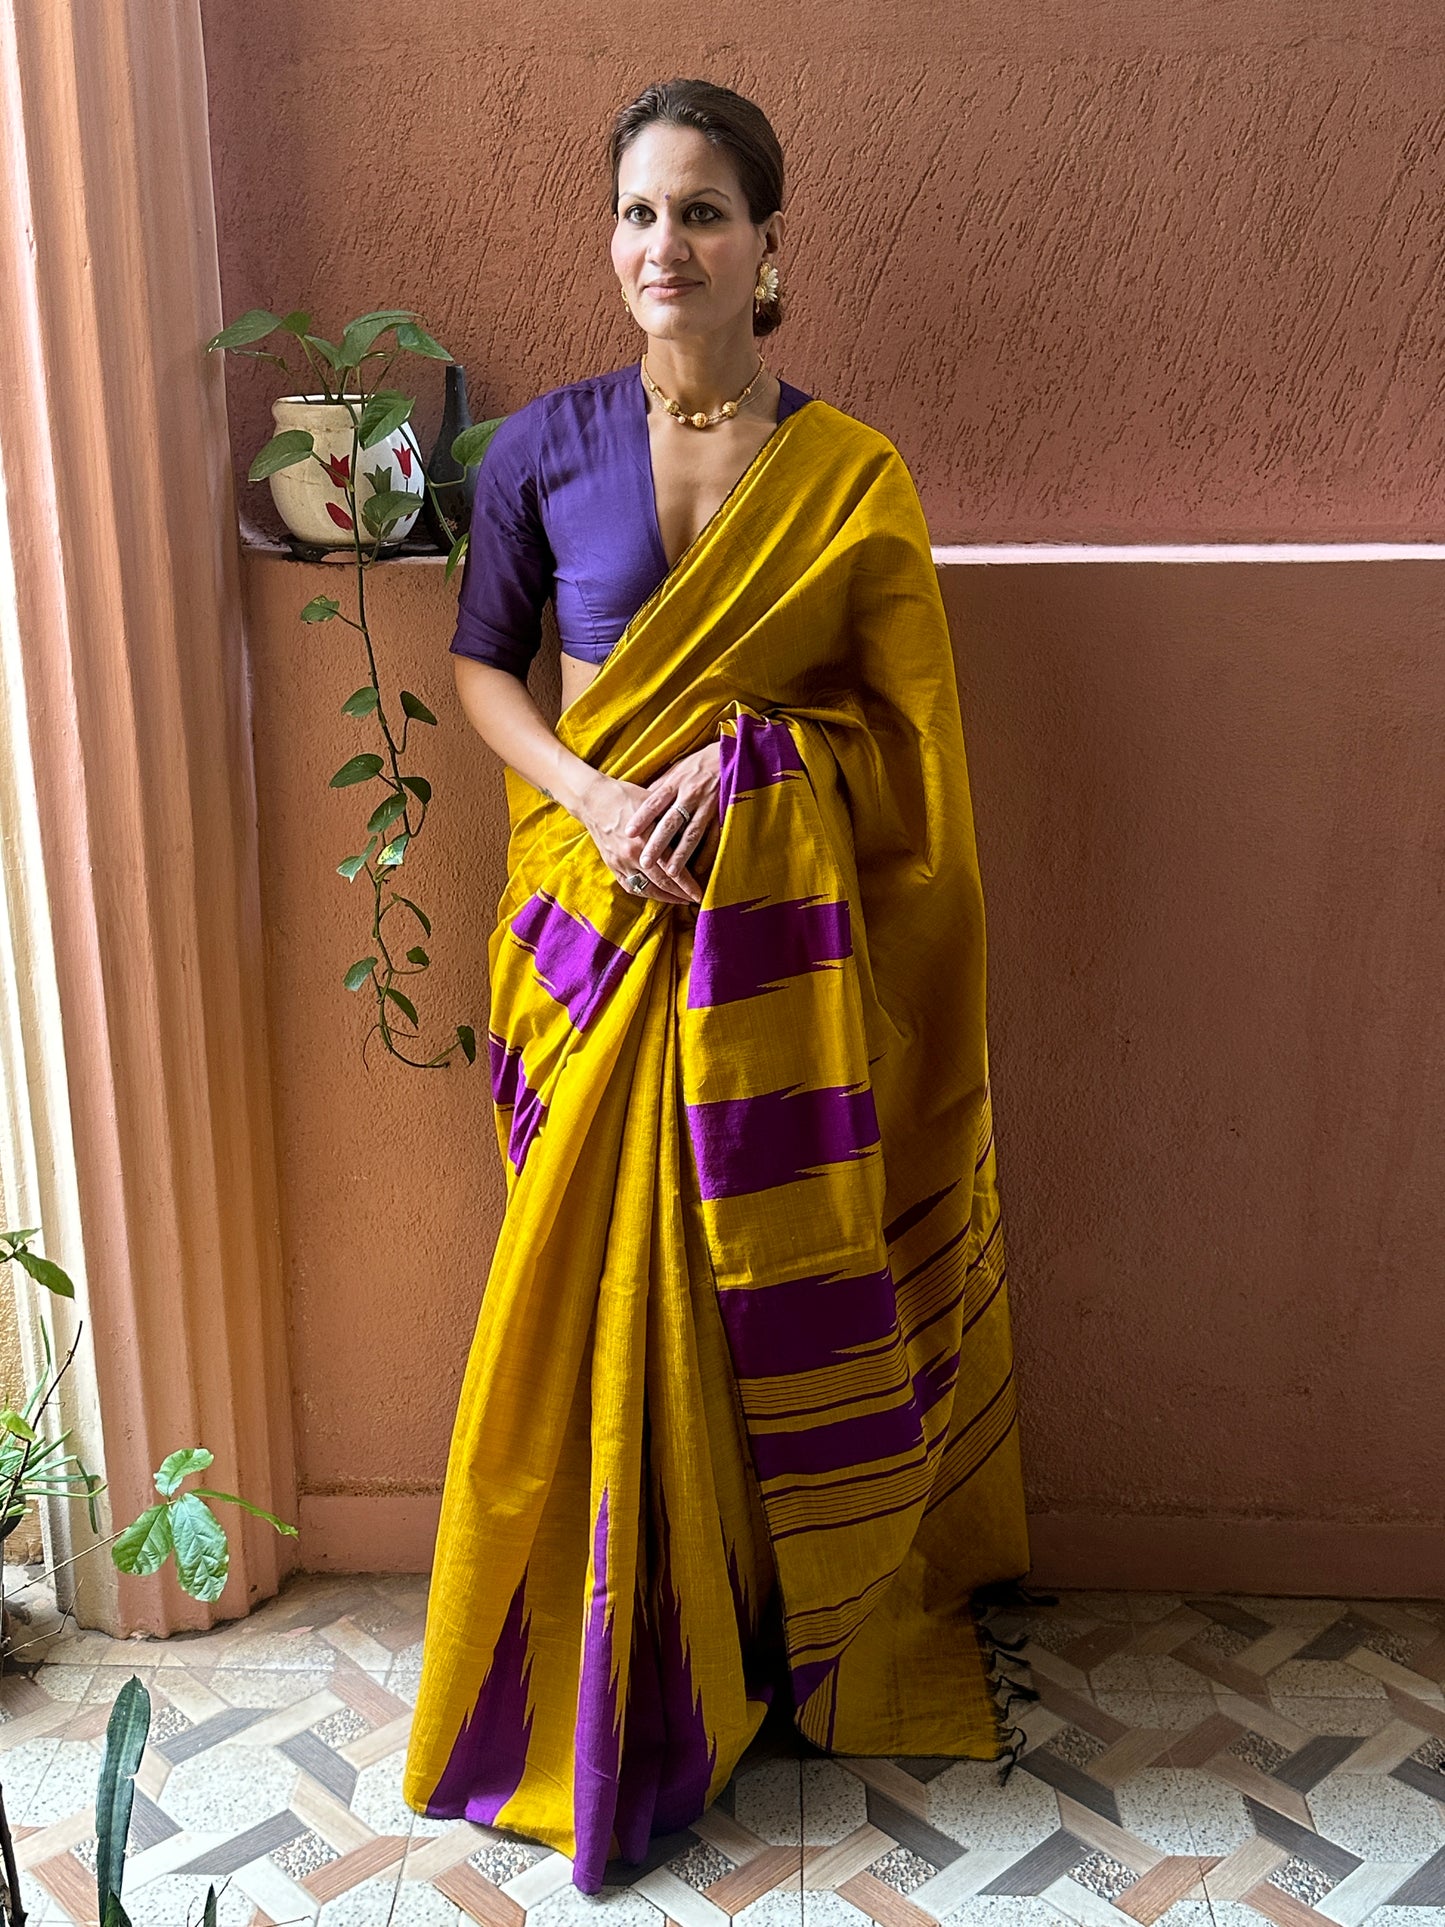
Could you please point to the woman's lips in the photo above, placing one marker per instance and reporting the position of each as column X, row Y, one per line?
column 676, row 287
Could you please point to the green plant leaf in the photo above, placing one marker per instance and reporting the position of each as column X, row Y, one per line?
column 208, row 1912
column 467, row 1038
column 125, row 1738
column 458, row 552
column 13, row 1238
column 384, row 412
column 321, row 608
column 410, row 336
column 394, row 852
column 145, row 1545
column 416, row 708
column 177, row 1465
column 324, row 348
column 259, row 1512
column 419, row 787
column 254, row 325
column 16, row 1425
column 416, row 910
column 359, row 335
column 358, row 973
column 114, row 1914
column 418, row 956
column 471, row 445
column 403, row 1003
column 361, row 702
column 45, row 1273
column 357, row 769
column 388, row 505
column 292, row 445
column 352, row 866
column 203, row 1557
column 297, row 322
column 386, row 813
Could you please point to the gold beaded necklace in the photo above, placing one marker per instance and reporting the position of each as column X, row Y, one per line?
column 700, row 420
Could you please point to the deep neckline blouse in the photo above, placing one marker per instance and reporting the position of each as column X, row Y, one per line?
column 566, row 508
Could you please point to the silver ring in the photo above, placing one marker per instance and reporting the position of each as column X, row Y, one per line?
column 637, row 881
column 686, row 815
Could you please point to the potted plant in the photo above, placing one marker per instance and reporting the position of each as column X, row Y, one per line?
column 364, row 508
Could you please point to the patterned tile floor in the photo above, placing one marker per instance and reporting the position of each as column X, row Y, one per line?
column 1189, row 1760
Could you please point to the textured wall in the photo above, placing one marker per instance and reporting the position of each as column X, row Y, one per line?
column 1119, row 272
column 1211, row 839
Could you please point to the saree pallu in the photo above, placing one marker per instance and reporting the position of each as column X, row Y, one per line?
column 741, row 1383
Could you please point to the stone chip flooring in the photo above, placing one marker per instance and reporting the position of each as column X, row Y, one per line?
column 1198, row 1759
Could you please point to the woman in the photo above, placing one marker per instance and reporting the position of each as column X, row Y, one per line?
column 738, row 1416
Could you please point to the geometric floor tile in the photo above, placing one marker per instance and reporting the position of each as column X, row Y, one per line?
column 1191, row 1761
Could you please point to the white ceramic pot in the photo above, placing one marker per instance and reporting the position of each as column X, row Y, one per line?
column 312, row 501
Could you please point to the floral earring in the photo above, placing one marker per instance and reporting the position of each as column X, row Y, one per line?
column 766, row 292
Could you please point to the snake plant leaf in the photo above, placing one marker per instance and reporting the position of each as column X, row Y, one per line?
column 175, row 1467
column 125, row 1738
column 203, row 1557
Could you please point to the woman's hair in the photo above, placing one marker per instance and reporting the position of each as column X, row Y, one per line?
column 728, row 120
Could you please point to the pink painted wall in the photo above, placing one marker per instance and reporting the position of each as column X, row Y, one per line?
column 1118, row 273
column 1211, row 833
column 1105, row 272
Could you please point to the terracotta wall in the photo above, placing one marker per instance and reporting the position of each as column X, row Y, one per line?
column 1119, row 273
column 1127, row 271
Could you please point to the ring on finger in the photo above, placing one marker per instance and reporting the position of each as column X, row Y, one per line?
column 637, row 882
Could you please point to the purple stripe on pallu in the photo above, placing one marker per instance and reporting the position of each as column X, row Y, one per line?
column 805, row 1324
column 759, row 752
column 856, row 1441
column 511, row 1091
column 598, row 1738
column 489, row 1755
column 744, row 1144
column 743, row 949
column 577, row 964
column 671, row 1707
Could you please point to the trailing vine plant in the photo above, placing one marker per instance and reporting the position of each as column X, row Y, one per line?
column 345, row 375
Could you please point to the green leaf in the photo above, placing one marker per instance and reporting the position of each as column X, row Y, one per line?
column 388, row 505
column 257, row 1511
column 403, row 1003
column 416, row 708
column 357, row 769
column 114, row 1915
column 13, row 1238
column 285, row 450
column 297, row 322
column 359, row 336
column 358, row 973
column 386, row 813
column 409, row 335
column 321, row 608
column 419, row 787
column 254, row 325
column 203, row 1558
column 418, row 956
column 174, row 1468
column 416, row 910
column 471, row 445
column 467, row 1038
column 208, row 1912
column 324, row 348
column 361, row 702
column 458, row 551
column 353, row 866
column 384, row 412
column 45, row 1273
column 145, row 1545
column 393, row 852
column 19, row 1427
column 125, row 1738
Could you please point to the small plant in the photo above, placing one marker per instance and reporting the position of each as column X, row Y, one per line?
column 393, row 823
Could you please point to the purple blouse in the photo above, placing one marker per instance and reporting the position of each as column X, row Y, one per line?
column 565, row 507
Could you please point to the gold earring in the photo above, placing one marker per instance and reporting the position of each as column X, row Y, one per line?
column 625, row 302
column 767, row 288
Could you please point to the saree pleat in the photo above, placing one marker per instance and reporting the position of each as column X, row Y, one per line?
column 739, row 1410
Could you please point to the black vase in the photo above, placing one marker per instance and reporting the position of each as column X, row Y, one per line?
column 449, row 512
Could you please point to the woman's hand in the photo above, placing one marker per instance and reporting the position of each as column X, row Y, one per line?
column 655, row 830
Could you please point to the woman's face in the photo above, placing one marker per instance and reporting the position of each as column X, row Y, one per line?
column 682, row 219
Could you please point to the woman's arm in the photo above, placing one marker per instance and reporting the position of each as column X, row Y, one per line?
column 499, row 706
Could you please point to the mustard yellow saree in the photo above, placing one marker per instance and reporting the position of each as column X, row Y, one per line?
column 739, row 1413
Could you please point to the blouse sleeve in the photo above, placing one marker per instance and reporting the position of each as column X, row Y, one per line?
column 509, row 569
